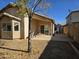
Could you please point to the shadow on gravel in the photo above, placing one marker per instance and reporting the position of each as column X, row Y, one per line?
column 13, row 49
column 58, row 50
column 76, row 44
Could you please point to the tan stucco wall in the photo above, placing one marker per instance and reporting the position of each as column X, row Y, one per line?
column 34, row 26
column 5, row 34
column 37, row 23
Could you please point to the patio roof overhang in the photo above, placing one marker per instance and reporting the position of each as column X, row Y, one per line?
column 42, row 18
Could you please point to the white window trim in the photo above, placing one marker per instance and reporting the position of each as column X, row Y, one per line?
column 18, row 26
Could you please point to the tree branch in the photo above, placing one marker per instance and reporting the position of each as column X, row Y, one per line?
column 37, row 3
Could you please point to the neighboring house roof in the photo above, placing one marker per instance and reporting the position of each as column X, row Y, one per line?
column 72, row 12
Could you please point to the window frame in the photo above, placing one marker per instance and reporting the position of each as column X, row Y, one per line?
column 18, row 26
column 5, row 27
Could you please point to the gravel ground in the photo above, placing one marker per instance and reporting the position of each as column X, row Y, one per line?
column 56, row 48
column 59, row 48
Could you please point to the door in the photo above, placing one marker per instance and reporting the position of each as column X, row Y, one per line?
column 42, row 29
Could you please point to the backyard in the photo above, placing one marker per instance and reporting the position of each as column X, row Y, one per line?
column 17, row 49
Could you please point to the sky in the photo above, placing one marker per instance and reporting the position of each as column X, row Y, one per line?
column 57, row 11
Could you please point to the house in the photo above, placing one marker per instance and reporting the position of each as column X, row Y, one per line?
column 59, row 28
column 73, row 25
column 13, row 26
column 65, row 29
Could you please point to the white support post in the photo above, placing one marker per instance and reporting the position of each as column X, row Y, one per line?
column 26, row 26
column 53, row 28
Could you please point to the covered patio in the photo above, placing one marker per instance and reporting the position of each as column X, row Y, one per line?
column 42, row 25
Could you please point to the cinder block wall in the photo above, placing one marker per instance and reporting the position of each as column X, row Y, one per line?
column 74, row 32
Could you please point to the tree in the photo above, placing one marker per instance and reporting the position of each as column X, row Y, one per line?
column 23, row 8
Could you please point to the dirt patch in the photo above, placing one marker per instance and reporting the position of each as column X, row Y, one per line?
column 17, row 49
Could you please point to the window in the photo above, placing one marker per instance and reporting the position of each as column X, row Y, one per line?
column 46, row 29
column 6, row 27
column 16, row 26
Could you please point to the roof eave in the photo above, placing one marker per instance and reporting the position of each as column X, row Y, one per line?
column 7, row 14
